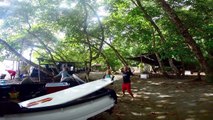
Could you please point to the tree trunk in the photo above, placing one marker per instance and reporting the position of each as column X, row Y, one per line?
column 85, row 25
column 171, row 63
column 60, row 55
column 6, row 45
column 149, row 18
column 158, row 58
column 46, row 48
column 185, row 33
column 123, row 61
column 209, row 74
column 42, row 43
column 161, row 66
column 102, row 32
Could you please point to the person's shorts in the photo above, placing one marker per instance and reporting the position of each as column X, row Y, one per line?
column 126, row 86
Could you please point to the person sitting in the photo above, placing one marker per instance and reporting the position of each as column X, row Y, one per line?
column 64, row 74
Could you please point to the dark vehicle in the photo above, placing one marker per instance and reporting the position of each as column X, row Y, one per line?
column 2, row 76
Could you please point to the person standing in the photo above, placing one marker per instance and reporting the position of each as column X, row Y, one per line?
column 126, row 85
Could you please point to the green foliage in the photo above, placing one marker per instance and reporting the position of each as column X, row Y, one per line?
column 69, row 28
column 112, row 59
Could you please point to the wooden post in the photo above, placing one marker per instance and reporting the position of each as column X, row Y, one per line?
column 39, row 77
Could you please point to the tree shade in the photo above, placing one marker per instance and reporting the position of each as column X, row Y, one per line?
column 70, row 30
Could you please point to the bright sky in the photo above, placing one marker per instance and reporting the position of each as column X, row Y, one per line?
column 102, row 12
column 4, row 3
column 1, row 22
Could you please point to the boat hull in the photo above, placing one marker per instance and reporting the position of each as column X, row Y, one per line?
column 76, row 103
column 81, row 111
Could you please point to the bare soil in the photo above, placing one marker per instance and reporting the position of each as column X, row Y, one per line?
column 158, row 98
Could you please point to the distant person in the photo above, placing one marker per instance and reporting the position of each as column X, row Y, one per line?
column 12, row 73
column 26, row 80
column 126, row 85
column 108, row 73
column 64, row 74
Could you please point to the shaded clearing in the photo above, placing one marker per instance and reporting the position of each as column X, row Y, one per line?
column 163, row 99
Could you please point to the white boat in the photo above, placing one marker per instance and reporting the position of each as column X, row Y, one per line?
column 75, row 103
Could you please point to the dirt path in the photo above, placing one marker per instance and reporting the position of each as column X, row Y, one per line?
column 163, row 99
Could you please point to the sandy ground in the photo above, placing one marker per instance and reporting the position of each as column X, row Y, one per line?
column 163, row 99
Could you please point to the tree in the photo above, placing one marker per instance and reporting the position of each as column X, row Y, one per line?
column 187, row 36
column 12, row 50
column 149, row 18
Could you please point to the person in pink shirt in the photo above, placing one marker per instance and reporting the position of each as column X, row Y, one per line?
column 12, row 73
